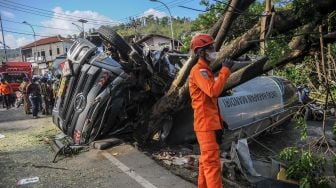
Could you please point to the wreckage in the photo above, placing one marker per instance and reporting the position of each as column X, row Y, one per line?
column 145, row 94
column 100, row 97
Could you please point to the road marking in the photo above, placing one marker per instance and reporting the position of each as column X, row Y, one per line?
column 131, row 173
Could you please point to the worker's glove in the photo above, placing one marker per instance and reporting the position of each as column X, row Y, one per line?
column 227, row 63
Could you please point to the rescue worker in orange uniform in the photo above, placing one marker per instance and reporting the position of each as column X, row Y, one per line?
column 6, row 91
column 204, row 91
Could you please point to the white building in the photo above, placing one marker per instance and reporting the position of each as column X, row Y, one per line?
column 45, row 51
column 158, row 42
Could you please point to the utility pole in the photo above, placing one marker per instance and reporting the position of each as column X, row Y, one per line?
column 322, row 52
column 83, row 22
column 3, row 39
column 263, row 25
column 35, row 53
column 80, row 29
column 171, row 22
column 329, row 61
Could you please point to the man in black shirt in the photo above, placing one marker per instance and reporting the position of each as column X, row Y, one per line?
column 34, row 93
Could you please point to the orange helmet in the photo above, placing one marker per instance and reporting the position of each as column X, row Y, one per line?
column 200, row 41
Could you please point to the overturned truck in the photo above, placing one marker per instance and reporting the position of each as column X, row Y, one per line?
column 99, row 96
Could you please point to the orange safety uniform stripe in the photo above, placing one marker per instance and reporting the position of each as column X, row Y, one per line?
column 204, row 91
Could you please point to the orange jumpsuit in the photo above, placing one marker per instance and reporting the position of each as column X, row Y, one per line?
column 5, row 89
column 204, row 92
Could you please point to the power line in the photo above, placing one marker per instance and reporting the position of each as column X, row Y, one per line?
column 24, row 33
column 51, row 14
column 44, row 11
column 218, row 8
column 66, row 18
column 40, row 26
column 47, row 13
column 15, row 29
column 192, row 8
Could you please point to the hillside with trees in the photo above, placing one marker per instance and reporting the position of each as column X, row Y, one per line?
column 154, row 25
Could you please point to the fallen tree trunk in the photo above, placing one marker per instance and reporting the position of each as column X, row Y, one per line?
column 228, row 19
column 219, row 32
column 177, row 96
column 299, row 46
column 283, row 22
column 181, row 96
column 160, row 107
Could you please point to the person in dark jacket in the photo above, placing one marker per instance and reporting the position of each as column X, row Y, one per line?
column 45, row 93
column 34, row 93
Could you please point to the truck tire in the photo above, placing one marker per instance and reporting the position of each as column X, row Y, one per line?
column 116, row 40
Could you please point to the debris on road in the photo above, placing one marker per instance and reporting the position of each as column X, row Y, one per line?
column 2, row 136
column 105, row 143
column 245, row 157
column 28, row 180
column 177, row 158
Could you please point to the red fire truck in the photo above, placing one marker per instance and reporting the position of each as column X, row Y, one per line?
column 14, row 72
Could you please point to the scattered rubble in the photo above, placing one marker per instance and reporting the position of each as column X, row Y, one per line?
column 28, row 180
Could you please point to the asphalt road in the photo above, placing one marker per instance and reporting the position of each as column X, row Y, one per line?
column 24, row 153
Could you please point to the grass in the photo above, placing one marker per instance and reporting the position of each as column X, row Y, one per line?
column 19, row 140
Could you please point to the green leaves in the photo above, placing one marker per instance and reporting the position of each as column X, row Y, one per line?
column 301, row 124
column 186, row 44
column 300, row 73
column 334, row 129
column 288, row 154
column 305, row 10
column 305, row 167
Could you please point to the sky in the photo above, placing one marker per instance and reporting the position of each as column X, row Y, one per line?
column 52, row 17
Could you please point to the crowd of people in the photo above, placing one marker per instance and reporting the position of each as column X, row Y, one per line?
column 37, row 95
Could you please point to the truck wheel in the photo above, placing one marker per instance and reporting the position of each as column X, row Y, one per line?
column 116, row 40
column 318, row 116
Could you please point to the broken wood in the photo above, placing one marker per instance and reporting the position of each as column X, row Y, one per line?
column 283, row 22
column 263, row 28
column 322, row 50
column 170, row 105
column 219, row 32
column 323, row 140
column 227, row 21
column 178, row 96
column 46, row 166
column 318, row 70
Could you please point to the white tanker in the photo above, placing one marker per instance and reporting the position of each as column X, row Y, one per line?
column 250, row 108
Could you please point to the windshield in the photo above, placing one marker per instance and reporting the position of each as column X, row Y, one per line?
column 13, row 77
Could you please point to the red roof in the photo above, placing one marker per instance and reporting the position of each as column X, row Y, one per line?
column 48, row 40
column 17, row 64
